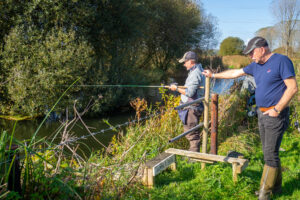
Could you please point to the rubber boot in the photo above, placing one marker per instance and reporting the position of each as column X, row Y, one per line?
column 268, row 180
column 278, row 183
column 261, row 180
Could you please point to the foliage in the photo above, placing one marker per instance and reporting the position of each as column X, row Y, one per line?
column 45, row 65
column 45, row 44
column 51, row 172
column 236, row 61
column 231, row 46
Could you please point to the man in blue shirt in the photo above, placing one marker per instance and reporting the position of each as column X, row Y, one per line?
column 275, row 87
column 190, row 115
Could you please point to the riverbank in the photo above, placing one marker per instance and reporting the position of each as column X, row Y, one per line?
column 16, row 118
column 115, row 172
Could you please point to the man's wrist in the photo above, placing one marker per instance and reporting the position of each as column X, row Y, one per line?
column 278, row 111
column 213, row 75
column 177, row 89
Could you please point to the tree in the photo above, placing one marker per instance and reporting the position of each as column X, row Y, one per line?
column 231, row 46
column 48, row 43
column 287, row 13
column 270, row 33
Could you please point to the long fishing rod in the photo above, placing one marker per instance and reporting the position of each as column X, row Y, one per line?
column 133, row 86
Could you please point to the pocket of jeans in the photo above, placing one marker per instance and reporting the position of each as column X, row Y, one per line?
column 273, row 122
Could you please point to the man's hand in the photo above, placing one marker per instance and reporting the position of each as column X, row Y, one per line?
column 207, row 73
column 173, row 87
column 271, row 113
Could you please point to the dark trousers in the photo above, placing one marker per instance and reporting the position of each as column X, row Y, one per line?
column 193, row 137
column 271, row 131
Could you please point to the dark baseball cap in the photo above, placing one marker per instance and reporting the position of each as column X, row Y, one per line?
column 190, row 55
column 255, row 42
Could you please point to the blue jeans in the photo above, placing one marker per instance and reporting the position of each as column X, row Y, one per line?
column 271, row 131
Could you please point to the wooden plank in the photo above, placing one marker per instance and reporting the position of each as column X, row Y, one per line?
column 205, row 156
column 242, row 166
column 201, row 160
column 163, row 164
column 160, row 163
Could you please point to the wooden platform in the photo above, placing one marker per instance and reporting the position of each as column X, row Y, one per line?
column 157, row 165
column 238, row 164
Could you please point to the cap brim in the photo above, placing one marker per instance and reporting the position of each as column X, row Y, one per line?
column 181, row 60
column 248, row 50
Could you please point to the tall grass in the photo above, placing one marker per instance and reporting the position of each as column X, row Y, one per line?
column 52, row 171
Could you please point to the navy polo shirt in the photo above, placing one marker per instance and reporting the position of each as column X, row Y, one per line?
column 269, row 78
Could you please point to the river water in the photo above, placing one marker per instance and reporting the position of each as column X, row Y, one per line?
column 25, row 129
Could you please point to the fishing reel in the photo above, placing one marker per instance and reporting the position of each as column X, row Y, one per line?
column 252, row 112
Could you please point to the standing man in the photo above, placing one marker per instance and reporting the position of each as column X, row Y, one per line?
column 276, row 85
column 191, row 114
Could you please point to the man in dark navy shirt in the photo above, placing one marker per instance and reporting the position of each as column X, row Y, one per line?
column 275, row 87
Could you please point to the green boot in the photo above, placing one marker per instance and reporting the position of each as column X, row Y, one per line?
column 278, row 183
column 268, row 180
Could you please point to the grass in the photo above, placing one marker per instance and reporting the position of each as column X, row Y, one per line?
column 215, row 182
column 58, row 172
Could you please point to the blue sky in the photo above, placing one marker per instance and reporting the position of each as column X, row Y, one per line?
column 240, row 18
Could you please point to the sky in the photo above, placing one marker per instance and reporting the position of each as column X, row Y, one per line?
column 239, row 18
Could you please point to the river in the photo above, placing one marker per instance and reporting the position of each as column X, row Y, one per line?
column 25, row 129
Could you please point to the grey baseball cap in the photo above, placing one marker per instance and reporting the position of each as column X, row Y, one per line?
column 190, row 55
column 255, row 42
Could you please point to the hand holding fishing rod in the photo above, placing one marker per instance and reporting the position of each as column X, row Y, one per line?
column 180, row 89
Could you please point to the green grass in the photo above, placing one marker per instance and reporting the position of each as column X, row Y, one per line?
column 113, row 173
column 215, row 181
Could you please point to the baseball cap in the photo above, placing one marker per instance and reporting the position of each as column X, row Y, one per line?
column 255, row 42
column 190, row 55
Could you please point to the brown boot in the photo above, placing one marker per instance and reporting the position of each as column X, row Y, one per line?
column 262, row 179
column 268, row 180
column 278, row 183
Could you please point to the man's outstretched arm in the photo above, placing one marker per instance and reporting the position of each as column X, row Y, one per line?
column 228, row 74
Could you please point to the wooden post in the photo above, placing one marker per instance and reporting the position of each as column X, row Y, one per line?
column 214, row 124
column 234, row 172
column 157, row 165
column 206, row 115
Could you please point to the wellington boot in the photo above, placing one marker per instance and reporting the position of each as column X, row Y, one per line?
column 262, row 179
column 268, row 180
column 278, row 183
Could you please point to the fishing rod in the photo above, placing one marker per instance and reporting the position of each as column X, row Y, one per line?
column 133, row 86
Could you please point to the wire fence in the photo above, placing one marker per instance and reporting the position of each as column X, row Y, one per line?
column 76, row 139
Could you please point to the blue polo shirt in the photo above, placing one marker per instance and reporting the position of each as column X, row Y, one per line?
column 269, row 78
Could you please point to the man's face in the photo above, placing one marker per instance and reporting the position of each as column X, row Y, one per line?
column 257, row 55
column 189, row 64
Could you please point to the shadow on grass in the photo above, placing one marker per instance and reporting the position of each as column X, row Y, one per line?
column 290, row 186
column 185, row 173
column 294, row 149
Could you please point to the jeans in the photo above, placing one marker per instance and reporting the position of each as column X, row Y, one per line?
column 193, row 137
column 271, row 131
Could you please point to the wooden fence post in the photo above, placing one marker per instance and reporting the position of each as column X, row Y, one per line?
column 206, row 120
column 214, row 124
